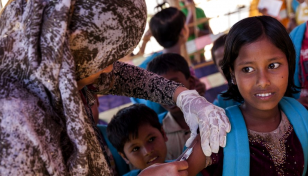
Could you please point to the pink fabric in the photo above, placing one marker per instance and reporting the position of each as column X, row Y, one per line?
column 201, row 42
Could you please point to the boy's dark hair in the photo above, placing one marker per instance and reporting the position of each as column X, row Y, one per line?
column 167, row 25
column 169, row 62
column 219, row 42
column 125, row 124
column 248, row 31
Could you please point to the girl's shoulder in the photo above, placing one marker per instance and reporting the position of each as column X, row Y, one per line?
column 238, row 148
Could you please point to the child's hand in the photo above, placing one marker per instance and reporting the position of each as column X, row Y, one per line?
column 177, row 168
column 199, row 86
column 147, row 36
column 212, row 122
column 263, row 11
column 190, row 5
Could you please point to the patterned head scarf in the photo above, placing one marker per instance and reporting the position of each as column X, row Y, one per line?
column 45, row 46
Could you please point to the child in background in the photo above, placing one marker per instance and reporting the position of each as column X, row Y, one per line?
column 217, row 52
column 169, row 29
column 188, row 7
column 138, row 136
column 173, row 67
column 299, row 37
column 283, row 16
column 269, row 133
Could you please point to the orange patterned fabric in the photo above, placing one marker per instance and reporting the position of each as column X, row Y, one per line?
column 282, row 17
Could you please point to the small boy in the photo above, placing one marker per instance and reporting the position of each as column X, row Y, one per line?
column 173, row 67
column 138, row 136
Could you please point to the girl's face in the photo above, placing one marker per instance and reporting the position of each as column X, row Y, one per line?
column 261, row 73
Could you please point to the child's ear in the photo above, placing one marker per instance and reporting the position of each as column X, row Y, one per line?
column 184, row 32
column 164, row 134
column 233, row 80
column 192, row 83
column 124, row 157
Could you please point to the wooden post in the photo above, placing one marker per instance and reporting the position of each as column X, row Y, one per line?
column 185, row 54
column 197, row 55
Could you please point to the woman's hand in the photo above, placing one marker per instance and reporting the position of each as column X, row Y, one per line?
column 177, row 168
column 212, row 122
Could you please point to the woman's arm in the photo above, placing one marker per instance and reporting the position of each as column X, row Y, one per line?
column 132, row 81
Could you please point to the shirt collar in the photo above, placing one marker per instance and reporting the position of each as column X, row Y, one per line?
column 170, row 125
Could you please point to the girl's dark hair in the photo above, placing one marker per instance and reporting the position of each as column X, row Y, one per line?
column 125, row 124
column 167, row 25
column 248, row 31
column 169, row 62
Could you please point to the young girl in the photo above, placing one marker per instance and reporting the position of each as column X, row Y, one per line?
column 269, row 133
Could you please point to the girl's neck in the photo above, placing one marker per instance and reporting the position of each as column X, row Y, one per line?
column 261, row 120
column 174, row 49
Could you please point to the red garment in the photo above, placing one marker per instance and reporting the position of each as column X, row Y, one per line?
column 261, row 161
column 303, row 68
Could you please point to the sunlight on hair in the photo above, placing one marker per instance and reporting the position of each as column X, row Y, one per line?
column 207, row 52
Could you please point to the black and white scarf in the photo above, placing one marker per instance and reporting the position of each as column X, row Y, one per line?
column 45, row 47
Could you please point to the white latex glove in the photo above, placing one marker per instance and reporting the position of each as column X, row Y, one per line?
column 212, row 122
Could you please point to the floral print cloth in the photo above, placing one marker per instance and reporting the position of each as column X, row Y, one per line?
column 45, row 47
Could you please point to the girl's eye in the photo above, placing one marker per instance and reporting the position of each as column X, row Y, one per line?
column 151, row 139
column 247, row 69
column 135, row 149
column 273, row 65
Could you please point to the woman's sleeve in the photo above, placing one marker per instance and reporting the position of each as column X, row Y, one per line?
column 132, row 81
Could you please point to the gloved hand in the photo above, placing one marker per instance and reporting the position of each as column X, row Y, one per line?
column 212, row 122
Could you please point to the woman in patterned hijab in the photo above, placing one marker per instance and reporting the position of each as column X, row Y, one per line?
column 49, row 48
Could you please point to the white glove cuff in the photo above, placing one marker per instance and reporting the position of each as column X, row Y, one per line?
column 183, row 94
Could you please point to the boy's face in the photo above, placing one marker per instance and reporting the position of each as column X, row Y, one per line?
column 219, row 55
column 147, row 149
column 261, row 74
column 179, row 77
